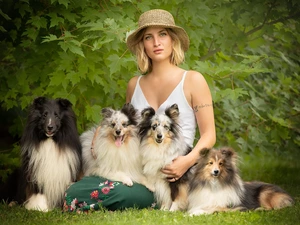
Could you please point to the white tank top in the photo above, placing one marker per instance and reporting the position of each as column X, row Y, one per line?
column 187, row 120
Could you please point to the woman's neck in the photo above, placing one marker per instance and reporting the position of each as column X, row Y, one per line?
column 163, row 69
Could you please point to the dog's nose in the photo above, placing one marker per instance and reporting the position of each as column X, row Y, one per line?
column 216, row 172
column 118, row 132
column 159, row 136
column 49, row 127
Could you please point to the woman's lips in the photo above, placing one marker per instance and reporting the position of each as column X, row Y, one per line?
column 158, row 51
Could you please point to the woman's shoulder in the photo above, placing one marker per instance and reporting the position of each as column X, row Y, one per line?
column 195, row 78
column 130, row 87
column 132, row 82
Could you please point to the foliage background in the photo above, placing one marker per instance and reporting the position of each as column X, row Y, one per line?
column 248, row 51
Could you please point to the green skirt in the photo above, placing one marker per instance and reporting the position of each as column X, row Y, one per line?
column 92, row 193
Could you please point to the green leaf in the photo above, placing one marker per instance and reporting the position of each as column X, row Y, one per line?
column 114, row 63
column 57, row 78
column 232, row 94
column 49, row 38
column 5, row 16
column 38, row 22
column 64, row 2
column 74, row 77
column 55, row 20
column 2, row 29
column 93, row 113
column 31, row 33
column 74, row 48
column 280, row 121
column 99, row 43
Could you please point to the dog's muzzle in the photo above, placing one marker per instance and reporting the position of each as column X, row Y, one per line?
column 159, row 138
column 119, row 139
column 216, row 173
column 50, row 131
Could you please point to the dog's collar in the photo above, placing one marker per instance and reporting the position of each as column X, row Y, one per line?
column 93, row 142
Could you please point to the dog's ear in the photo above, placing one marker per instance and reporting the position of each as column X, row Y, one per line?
column 227, row 152
column 128, row 109
column 147, row 113
column 204, row 152
column 107, row 112
column 131, row 113
column 64, row 103
column 172, row 112
column 39, row 102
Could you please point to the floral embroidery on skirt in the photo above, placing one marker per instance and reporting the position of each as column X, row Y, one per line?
column 92, row 193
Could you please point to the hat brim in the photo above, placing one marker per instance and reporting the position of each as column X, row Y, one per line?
column 182, row 35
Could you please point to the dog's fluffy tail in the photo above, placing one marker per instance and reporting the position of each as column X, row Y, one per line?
column 264, row 195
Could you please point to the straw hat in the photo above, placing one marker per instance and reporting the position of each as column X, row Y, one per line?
column 158, row 17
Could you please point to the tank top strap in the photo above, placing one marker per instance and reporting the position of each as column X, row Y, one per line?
column 138, row 80
column 183, row 79
column 184, row 75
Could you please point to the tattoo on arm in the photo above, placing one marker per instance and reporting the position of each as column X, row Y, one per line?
column 197, row 107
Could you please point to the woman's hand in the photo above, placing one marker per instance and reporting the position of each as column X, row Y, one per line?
column 177, row 168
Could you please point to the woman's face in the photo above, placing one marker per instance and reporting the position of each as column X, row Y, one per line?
column 157, row 43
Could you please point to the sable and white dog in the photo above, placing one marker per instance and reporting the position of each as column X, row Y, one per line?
column 112, row 150
column 217, row 186
column 161, row 143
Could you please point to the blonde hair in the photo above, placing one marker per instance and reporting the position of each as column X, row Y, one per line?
column 145, row 63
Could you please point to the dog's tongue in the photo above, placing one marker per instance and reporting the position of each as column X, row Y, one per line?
column 118, row 141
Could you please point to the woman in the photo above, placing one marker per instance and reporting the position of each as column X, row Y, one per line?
column 159, row 46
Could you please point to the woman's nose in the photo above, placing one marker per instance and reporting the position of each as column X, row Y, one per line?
column 156, row 42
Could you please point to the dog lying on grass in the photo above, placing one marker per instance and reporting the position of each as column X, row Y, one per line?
column 217, row 186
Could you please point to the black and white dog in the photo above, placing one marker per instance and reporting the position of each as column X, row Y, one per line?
column 50, row 154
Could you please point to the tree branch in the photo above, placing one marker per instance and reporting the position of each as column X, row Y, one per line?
column 282, row 19
column 273, row 22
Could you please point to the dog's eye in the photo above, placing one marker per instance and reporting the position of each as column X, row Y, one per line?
column 124, row 124
column 220, row 163
column 210, row 162
column 45, row 114
column 56, row 115
column 154, row 126
column 166, row 127
column 113, row 124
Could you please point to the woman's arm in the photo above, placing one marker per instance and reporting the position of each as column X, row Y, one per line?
column 202, row 104
column 199, row 97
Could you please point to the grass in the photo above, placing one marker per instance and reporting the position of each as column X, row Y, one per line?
column 280, row 170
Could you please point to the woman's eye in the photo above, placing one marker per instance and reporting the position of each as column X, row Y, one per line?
column 163, row 34
column 147, row 37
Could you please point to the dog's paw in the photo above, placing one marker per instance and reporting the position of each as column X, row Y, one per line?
column 150, row 187
column 37, row 202
column 127, row 181
column 13, row 203
column 198, row 211
column 164, row 207
column 174, row 207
